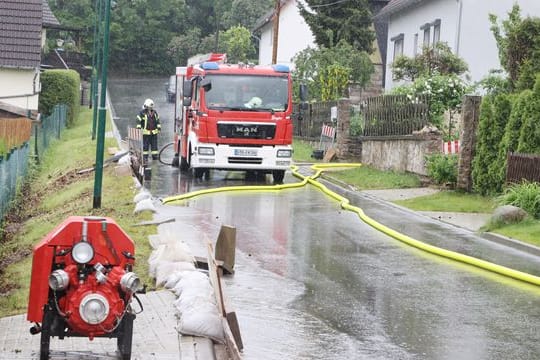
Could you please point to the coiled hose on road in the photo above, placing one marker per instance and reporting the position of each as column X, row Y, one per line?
column 161, row 151
column 344, row 203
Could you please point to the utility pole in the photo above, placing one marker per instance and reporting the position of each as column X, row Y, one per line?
column 276, row 32
column 98, row 180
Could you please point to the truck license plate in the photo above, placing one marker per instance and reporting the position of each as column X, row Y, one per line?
column 245, row 152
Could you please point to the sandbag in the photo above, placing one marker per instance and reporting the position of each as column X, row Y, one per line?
column 145, row 205
column 167, row 268
column 200, row 318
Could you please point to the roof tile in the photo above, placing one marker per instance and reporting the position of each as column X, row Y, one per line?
column 20, row 33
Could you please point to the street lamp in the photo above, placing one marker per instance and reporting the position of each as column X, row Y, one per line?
column 98, row 180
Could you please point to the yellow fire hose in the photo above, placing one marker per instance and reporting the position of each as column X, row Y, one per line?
column 344, row 203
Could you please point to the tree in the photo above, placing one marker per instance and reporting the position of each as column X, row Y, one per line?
column 330, row 23
column 183, row 46
column 245, row 13
column 77, row 14
column 529, row 137
column 328, row 71
column 238, row 45
column 494, row 113
column 518, row 42
column 141, row 32
column 433, row 60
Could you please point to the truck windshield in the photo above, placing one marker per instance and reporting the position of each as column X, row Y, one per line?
column 247, row 92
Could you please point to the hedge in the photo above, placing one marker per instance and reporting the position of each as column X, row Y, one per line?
column 60, row 87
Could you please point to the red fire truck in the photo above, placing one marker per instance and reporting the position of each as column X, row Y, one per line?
column 233, row 117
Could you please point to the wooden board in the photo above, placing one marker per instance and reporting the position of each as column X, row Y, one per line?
column 329, row 155
column 226, row 247
column 215, row 281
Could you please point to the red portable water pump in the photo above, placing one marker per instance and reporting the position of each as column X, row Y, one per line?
column 82, row 283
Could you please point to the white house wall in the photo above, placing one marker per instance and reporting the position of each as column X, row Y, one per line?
column 469, row 36
column 408, row 23
column 294, row 35
column 17, row 82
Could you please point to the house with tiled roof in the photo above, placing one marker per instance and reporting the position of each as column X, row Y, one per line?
column 22, row 35
column 462, row 24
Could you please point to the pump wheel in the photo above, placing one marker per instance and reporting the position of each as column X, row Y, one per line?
column 125, row 336
column 278, row 176
column 46, row 330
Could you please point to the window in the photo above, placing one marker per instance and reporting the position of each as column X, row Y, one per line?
column 398, row 45
column 235, row 91
column 427, row 34
column 436, row 31
column 415, row 45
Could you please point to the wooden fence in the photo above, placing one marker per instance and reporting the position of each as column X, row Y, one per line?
column 313, row 118
column 387, row 115
column 14, row 132
column 522, row 167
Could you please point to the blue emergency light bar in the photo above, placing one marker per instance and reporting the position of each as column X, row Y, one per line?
column 210, row 65
column 281, row 68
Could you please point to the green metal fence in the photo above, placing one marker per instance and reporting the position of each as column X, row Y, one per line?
column 48, row 129
column 13, row 167
column 14, row 164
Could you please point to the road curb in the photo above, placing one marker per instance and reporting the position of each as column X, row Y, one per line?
column 345, row 189
column 516, row 244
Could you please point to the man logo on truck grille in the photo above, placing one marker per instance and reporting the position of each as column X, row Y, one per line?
column 246, row 130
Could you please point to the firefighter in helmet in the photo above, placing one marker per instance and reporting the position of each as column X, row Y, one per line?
column 148, row 122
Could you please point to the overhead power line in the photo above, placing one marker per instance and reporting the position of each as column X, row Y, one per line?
column 324, row 5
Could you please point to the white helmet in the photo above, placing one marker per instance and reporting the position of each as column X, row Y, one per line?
column 254, row 102
column 148, row 104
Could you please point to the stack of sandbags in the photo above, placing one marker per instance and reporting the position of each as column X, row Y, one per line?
column 143, row 201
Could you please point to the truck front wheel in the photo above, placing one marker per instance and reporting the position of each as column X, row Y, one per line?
column 278, row 176
column 184, row 165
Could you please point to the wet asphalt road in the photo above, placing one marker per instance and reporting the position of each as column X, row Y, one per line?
column 314, row 282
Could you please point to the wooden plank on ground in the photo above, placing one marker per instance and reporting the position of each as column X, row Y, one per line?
column 329, row 155
column 232, row 321
column 226, row 247
column 215, row 281
column 231, row 329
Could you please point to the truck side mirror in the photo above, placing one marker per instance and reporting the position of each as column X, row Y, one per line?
column 187, row 89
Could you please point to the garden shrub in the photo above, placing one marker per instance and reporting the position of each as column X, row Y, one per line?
column 60, row 87
column 525, row 196
column 442, row 168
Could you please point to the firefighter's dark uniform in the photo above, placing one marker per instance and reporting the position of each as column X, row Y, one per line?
column 148, row 121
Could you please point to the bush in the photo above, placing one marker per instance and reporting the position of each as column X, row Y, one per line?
column 60, row 87
column 525, row 196
column 442, row 168
column 356, row 127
